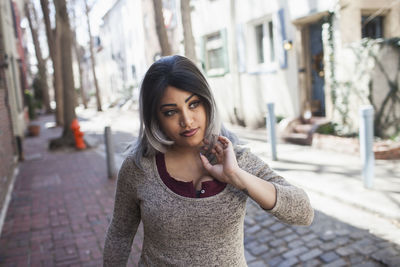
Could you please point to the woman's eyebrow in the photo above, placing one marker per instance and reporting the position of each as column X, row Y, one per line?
column 187, row 99
column 168, row 105
column 174, row 105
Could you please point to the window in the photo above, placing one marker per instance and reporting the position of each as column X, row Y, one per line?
column 372, row 27
column 259, row 41
column 215, row 54
column 264, row 34
column 215, row 51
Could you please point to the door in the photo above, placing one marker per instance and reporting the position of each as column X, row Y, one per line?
column 317, row 69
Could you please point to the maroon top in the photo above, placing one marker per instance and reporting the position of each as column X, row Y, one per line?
column 186, row 189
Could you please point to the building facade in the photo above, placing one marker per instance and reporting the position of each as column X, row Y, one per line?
column 128, row 50
column 252, row 52
column 247, row 53
column 12, row 84
column 328, row 34
column 255, row 52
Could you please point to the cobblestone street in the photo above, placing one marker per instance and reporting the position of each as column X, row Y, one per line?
column 328, row 242
column 62, row 203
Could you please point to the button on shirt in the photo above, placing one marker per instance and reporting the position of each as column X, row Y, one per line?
column 186, row 189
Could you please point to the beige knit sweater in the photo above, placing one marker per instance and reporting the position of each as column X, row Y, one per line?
column 181, row 231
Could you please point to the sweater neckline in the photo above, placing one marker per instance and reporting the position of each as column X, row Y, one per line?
column 186, row 189
column 166, row 188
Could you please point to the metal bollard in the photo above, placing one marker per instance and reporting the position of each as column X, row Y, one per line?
column 271, row 121
column 366, row 144
column 111, row 170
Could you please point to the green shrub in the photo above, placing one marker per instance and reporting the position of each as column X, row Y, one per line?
column 31, row 103
column 328, row 128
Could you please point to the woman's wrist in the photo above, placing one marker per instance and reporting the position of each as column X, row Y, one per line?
column 237, row 178
column 263, row 192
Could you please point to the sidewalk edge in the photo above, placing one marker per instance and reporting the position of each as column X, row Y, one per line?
column 7, row 200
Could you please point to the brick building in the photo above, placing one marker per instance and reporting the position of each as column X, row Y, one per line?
column 7, row 145
column 12, row 84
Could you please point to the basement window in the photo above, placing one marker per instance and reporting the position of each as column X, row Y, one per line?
column 372, row 27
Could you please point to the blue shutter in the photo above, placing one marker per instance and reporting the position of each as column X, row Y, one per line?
column 280, row 33
column 203, row 53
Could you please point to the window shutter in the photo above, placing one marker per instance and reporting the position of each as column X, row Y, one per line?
column 203, row 53
column 280, row 33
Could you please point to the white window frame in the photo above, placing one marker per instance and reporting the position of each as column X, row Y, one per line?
column 269, row 65
column 211, row 45
column 383, row 19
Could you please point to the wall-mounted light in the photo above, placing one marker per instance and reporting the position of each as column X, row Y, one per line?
column 287, row 45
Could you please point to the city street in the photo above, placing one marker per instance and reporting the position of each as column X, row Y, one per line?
column 326, row 70
column 62, row 203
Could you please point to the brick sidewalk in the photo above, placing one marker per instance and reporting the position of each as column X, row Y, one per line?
column 60, row 207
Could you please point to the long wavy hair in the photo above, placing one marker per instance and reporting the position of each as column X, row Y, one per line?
column 181, row 73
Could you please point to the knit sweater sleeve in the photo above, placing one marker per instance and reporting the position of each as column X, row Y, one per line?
column 125, row 220
column 292, row 203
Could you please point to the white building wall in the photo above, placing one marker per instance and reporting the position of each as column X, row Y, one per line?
column 129, row 33
column 12, row 72
column 258, row 83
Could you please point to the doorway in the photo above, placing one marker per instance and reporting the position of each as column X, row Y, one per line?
column 316, row 74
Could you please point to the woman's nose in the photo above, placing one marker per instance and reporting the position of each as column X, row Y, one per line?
column 186, row 119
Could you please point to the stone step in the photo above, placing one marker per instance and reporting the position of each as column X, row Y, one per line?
column 303, row 128
column 298, row 138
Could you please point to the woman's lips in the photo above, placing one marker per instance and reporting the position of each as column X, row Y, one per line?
column 189, row 133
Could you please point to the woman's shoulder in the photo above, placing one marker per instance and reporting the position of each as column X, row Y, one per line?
column 247, row 159
column 134, row 166
column 241, row 151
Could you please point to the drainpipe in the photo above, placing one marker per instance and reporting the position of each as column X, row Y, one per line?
column 233, row 65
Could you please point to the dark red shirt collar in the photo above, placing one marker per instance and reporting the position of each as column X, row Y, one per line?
column 186, row 189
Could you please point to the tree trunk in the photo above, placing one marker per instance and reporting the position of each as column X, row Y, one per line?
column 42, row 72
column 160, row 28
column 53, row 41
column 98, row 99
column 67, row 138
column 79, row 52
column 188, row 38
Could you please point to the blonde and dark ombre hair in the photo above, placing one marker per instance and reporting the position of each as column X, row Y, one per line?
column 181, row 73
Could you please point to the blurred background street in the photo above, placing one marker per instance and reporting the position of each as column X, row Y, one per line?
column 324, row 73
column 62, row 203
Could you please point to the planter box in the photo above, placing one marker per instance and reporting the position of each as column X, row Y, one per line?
column 336, row 143
column 33, row 129
column 387, row 150
column 382, row 149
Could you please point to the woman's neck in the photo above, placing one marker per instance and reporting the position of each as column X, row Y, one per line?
column 184, row 152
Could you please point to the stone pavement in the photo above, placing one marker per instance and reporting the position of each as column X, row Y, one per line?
column 62, row 203
column 60, row 207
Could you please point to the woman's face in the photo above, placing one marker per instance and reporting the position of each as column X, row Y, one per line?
column 183, row 117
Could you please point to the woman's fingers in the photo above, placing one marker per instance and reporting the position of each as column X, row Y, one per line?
column 224, row 141
column 218, row 148
column 205, row 162
column 219, row 152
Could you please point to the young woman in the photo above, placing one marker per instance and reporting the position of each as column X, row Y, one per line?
column 187, row 180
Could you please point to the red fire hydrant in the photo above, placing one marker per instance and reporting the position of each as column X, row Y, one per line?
column 79, row 142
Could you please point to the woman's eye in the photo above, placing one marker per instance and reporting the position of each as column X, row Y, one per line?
column 169, row 113
column 194, row 104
